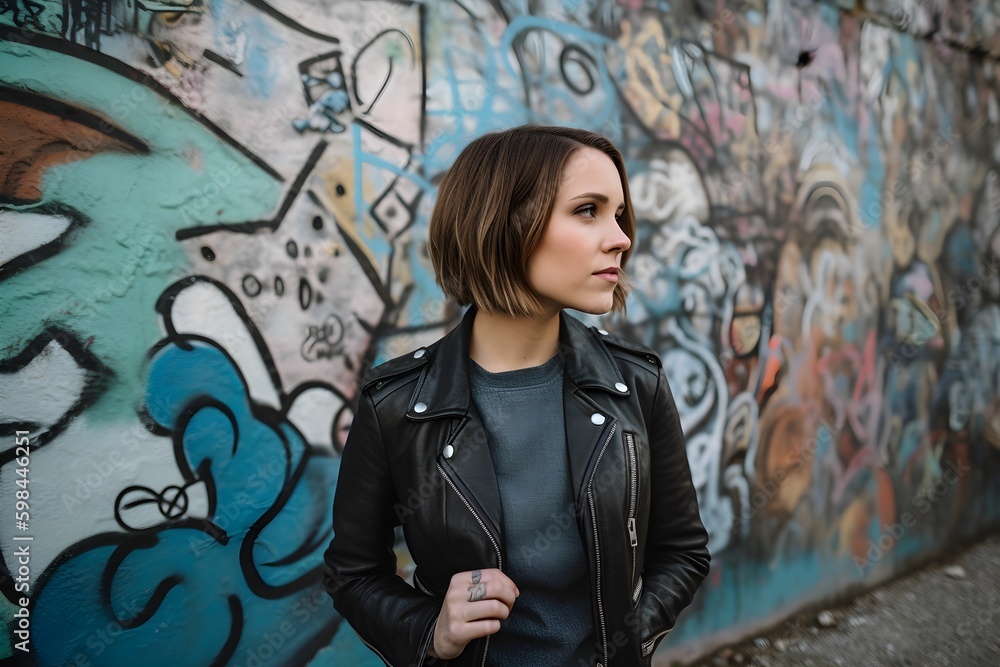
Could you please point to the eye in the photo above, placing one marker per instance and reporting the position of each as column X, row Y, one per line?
column 589, row 211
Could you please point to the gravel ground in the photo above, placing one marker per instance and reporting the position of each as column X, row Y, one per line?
column 944, row 615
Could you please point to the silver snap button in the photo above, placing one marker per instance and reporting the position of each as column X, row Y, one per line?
column 419, row 353
column 620, row 386
column 602, row 332
column 419, row 407
column 448, row 451
column 597, row 418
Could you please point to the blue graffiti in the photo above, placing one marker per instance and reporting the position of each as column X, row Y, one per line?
column 238, row 583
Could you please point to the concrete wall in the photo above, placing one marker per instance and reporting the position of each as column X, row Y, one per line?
column 214, row 219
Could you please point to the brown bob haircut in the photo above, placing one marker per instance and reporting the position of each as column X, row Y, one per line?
column 492, row 208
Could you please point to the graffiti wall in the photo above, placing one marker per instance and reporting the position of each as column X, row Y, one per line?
column 213, row 219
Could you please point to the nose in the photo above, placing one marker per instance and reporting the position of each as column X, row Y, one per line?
column 616, row 240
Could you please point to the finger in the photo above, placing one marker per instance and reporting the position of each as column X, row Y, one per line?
column 482, row 584
column 484, row 610
column 504, row 594
column 477, row 629
column 477, row 592
column 461, row 633
column 501, row 578
column 498, row 587
column 479, row 575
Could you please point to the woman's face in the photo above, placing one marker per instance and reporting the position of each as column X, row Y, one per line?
column 576, row 263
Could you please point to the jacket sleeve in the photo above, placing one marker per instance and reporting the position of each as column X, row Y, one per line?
column 391, row 617
column 676, row 558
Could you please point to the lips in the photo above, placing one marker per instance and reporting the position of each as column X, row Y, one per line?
column 610, row 273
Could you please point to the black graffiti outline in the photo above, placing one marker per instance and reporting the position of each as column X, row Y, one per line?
column 170, row 508
column 50, row 249
column 326, row 336
column 388, row 75
column 23, row 14
column 127, row 543
column 289, row 22
column 165, row 302
column 222, row 61
column 97, row 378
column 105, row 61
column 308, row 81
column 346, row 404
column 272, row 223
column 77, row 219
column 73, row 113
column 262, row 413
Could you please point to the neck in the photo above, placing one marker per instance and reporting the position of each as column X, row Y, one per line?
column 505, row 343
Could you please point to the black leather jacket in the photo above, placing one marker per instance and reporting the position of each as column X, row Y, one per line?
column 417, row 454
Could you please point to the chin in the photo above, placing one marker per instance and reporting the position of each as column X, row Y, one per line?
column 595, row 308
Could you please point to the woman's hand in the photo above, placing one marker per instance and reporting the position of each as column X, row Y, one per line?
column 473, row 607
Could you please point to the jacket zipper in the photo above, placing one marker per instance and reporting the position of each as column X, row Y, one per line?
column 633, row 499
column 647, row 646
column 597, row 544
column 496, row 545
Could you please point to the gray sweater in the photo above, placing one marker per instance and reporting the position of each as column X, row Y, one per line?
column 551, row 622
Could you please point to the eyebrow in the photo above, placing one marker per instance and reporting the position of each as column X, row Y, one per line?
column 595, row 195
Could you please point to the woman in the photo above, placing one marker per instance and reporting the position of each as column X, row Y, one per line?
column 537, row 466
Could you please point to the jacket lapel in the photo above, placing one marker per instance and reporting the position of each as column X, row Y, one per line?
column 471, row 468
column 583, row 437
column 442, row 391
column 591, row 376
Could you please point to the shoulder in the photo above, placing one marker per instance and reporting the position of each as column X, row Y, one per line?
column 629, row 357
column 626, row 350
column 397, row 372
column 621, row 347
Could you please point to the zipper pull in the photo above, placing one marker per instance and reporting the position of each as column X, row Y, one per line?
column 632, row 537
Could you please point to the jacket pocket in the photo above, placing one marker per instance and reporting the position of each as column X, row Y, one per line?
column 419, row 584
column 650, row 644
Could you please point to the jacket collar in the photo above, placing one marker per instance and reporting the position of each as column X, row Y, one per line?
column 443, row 386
